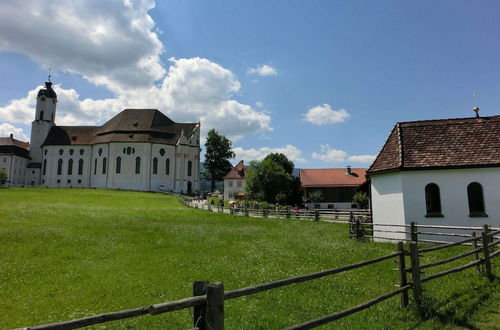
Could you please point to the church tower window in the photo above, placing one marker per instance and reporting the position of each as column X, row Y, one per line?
column 41, row 115
column 104, row 165
column 167, row 166
column 137, row 165
column 155, row 165
column 118, row 165
column 61, row 152
column 95, row 166
column 70, row 166
column 190, row 168
column 59, row 166
column 80, row 167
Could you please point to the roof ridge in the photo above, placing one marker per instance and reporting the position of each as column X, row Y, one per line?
column 447, row 119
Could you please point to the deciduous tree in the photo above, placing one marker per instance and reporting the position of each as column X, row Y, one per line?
column 217, row 155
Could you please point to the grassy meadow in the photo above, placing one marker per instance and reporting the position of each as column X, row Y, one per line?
column 70, row 253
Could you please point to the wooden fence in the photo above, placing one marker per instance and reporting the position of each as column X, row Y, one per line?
column 208, row 298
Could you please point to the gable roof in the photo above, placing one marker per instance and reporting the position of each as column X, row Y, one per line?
column 237, row 172
column 332, row 177
column 130, row 125
column 444, row 143
column 9, row 145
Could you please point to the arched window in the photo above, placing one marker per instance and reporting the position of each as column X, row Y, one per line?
column 59, row 166
column 432, row 200
column 95, row 166
column 118, row 165
column 104, row 165
column 167, row 166
column 44, row 167
column 137, row 165
column 155, row 165
column 129, row 150
column 476, row 200
column 70, row 166
column 41, row 115
column 80, row 167
column 190, row 167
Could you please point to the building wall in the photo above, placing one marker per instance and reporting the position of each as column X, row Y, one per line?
column 387, row 202
column 232, row 187
column 15, row 167
column 400, row 198
column 51, row 156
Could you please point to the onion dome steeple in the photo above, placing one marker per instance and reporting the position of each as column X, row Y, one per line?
column 47, row 91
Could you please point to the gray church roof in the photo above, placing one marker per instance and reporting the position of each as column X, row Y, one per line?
column 130, row 125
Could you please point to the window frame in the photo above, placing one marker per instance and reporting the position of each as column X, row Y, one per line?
column 433, row 207
column 481, row 211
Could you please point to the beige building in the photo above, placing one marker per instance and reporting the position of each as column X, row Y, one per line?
column 234, row 182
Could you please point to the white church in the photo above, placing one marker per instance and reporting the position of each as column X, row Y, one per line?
column 138, row 149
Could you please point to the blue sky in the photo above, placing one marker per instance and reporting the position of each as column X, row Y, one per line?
column 321, row 81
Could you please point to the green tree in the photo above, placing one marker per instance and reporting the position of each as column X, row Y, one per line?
column 361, row 199
column 266, row 180
column 283, row 161
column 316, row 196
column 3, row 177
column 217, row 155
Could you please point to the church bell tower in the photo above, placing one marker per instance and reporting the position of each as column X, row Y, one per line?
column 45, row 114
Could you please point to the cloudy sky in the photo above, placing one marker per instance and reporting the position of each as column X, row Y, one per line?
column 321, row 81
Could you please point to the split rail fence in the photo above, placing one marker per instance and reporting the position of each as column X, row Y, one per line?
column 208, row 298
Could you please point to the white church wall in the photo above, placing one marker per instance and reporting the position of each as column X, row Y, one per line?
column 128, row 178
column 161, row 177
column 67, row 177
column 15, row 167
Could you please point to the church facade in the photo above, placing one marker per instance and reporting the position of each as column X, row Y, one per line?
column 138, row 149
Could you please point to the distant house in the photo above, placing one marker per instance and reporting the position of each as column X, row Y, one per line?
column 234, row 182
column 438, row 172
column 14, row 158
column 336, row 185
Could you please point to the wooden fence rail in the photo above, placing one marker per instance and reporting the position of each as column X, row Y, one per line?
column 208, row 298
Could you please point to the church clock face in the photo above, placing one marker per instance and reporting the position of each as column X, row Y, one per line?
column 42, row 99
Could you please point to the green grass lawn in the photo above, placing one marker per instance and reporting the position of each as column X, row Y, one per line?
column 70, row 253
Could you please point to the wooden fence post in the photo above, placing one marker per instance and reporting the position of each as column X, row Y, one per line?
column 413, row 232
column 403, row 281
column 475, row 256
column 215, row 306
column 288, row 213
column 359, row 230
column 415, row 272
column 246, row 211
column 486, row 253
column 336, row 214
column 316, row 215
column 199, row 289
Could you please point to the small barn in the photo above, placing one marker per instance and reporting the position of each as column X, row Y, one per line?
column 438, row 172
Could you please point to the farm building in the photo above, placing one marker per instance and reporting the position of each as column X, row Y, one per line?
column 336, row 186
column 138, row 149
column 438, row 172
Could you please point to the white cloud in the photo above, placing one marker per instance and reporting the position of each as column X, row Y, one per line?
column 263, row 70
column 324, row 114
column 328, row 154
column 193, row 89
column 7, row 129
column 112, row 43
column 292, row 152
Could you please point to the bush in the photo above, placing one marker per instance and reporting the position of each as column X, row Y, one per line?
column 361, row 199
column 3, row 177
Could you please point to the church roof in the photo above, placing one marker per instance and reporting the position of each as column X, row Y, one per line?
column 332, row 177
column 444, row 143
column 9, row 145
column 237, row 172
column 130, row 125
column 47, row 91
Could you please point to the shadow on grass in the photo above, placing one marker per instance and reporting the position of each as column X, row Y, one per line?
column 456, row 309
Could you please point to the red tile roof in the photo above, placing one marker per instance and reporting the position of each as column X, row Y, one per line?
column 238, row 172
column 445, row 143
column 9, row 145
column 332, row 177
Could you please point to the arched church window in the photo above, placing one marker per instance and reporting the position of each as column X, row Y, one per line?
column 41, row 115
column 162, row 152
column 155, row 165
column 118, row 165
column 59, row 166
column 124, row 150
column 190, row 168
column 133, row 150
column 476, row 200
column 71, row 151
column 129, row 150
column 167, row 166
column 95, row 166
column 70, row 166
column 104, row 165
column 137, row 165
column 100, row 152
column 432, row 200
column 61, row 151
column 44, row 170
column 45, row 152
column 81, row 151
column 80, row 167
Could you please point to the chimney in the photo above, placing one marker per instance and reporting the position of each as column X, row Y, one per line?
column 11, row 136
column 347, row 170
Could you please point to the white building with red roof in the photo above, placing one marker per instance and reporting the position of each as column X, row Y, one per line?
column 234, row 182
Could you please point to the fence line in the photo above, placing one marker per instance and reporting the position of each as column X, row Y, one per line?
column 208, row 298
